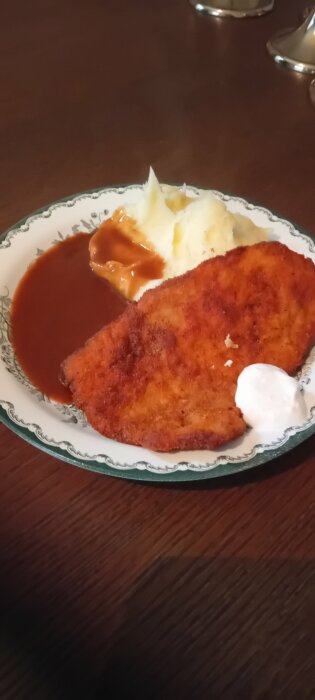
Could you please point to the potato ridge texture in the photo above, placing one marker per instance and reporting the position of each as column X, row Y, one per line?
column 157, row 376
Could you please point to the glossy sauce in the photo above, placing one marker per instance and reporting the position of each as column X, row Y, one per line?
column 126, row 260
column 57, row 306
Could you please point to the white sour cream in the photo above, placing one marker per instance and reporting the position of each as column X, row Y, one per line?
column 270, row 400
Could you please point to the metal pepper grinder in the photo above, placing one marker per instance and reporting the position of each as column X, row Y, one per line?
column 233, row 8
column 295, row 48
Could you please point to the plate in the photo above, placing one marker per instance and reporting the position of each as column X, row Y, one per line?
column 62, row 430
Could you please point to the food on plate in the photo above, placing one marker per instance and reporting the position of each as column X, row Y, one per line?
column 122, row 255
column 72, row 302
column 270, row 400
column 58, row 304
column 160, row 375
column 164, row 234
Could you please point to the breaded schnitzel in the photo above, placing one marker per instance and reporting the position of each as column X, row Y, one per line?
column 157, row 376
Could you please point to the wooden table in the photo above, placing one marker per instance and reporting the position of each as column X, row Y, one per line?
column 114, row 589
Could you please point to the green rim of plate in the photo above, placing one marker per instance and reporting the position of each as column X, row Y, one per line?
column 135, row 474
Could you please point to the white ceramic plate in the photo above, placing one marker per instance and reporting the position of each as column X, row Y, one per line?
column 62, row 430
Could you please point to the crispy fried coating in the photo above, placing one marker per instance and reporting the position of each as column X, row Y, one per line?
column 157, row 376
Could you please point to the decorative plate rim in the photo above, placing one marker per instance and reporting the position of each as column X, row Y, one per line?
column 143, row 470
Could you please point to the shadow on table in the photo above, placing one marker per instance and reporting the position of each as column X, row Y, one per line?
column 193, row 628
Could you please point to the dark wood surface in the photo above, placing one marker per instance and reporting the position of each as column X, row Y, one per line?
column 114, row 589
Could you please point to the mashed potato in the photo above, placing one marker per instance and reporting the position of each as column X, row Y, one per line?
column 187, row 230
column 181, row 230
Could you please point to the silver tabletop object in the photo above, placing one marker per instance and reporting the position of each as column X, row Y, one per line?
column 295, row 48
column 233, row 8
column 306, row 12
column 312, row 92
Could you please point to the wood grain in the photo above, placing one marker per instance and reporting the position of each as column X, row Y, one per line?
column 113, row 589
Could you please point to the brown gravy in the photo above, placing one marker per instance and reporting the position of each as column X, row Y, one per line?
column 57, row 306
column 126, row 263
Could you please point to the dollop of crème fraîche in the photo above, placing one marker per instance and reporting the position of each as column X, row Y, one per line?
column 270, row 400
